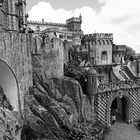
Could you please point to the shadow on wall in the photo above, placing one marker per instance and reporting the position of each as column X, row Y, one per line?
column 9, row 84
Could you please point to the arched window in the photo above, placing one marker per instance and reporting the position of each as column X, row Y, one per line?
column 104, row 57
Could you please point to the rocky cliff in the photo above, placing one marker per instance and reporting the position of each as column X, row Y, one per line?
column 54, row 106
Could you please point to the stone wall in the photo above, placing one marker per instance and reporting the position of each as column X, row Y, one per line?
column 88, row 109
column 50, row 59
column 97, row 48
column 133, row 67
column 15, row 52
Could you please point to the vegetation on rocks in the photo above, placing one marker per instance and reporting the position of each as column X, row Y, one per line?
column 55, row 105
column 9, row 123
column 87, row 131
column 55, row 110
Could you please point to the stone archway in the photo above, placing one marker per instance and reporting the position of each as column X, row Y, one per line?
column 9, row 84
column 119, row 107
column 125, row 106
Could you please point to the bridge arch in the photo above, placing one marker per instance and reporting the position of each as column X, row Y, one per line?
column 8, row 82
column 125, row 96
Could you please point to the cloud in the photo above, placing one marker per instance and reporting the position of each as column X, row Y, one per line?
column 120, row 17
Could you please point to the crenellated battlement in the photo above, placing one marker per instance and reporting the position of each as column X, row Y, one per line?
column 119, row 48
column 47, row 23
column 73, row 19
column 99, row 36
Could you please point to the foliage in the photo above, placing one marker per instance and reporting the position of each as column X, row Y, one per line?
column 129, row 53
column 73, row 70
column 87, row 131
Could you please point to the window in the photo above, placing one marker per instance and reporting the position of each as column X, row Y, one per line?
column 92, row 80
column 104, row 55
column 92, row 60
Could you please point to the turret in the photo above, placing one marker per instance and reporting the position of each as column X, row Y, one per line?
column 92, row 82
column 74, row 24
column 80, row 17
column 100, row 48
column 119, row 53
column 138, row 67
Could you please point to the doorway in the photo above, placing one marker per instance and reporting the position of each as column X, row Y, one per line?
column 119, row 108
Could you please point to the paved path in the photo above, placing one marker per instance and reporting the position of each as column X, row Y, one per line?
column 122, row 131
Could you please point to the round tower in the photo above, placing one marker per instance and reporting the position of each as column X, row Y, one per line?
column 91, row 82
column 138, row 67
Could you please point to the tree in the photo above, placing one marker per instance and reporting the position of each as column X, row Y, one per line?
column 129, row 53
column 73, row 70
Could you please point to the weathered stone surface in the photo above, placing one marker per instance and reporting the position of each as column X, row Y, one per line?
column 55, row 105
column 15, row 51
column 8, row 125
column 49, row 58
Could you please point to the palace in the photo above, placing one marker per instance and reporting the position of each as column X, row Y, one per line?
column 113, row 84
column 71, row 31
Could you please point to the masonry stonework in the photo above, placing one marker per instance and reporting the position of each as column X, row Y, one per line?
column 15, row 51
column 49, row 59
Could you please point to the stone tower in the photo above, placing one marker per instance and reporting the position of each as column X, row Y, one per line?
column 118, row 53
column 74, row 24
column 92, row 82
column 99, row 48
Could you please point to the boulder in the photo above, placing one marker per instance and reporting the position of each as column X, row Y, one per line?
column 54, row 106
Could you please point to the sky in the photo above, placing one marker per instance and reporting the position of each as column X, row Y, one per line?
column 120, row 17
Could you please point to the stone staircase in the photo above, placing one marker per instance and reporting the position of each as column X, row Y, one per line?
column 123, row 131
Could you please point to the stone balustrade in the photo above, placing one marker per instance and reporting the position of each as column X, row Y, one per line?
column 111, row 86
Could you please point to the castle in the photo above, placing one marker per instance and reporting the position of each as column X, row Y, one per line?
column 112, row 83
column 71, row 31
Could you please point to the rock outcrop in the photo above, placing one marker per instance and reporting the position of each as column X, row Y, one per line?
column 53, row 107
column 8, row 125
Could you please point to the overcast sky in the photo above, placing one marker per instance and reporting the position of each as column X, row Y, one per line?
column 120, row 17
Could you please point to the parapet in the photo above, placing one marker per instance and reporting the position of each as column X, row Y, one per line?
column 99, row 36
column 73, row 19
column 46, row 23
column 119, row 48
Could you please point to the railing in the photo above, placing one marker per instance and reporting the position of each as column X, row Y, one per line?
column 128, row 84
column 130, row 73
